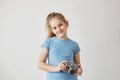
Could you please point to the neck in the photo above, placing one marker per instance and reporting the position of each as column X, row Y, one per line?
column 63, row 38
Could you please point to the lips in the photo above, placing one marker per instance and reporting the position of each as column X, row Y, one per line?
column 61, row 31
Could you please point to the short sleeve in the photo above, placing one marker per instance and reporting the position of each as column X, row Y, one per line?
column 46, row 44
column 77, row 49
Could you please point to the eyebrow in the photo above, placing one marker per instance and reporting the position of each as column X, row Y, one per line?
column 58, row 24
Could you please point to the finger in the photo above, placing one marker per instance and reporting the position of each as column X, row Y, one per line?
column 80, row 69
column 63, row 67
column 78, row 73
column 64, row 61
column 79, row 65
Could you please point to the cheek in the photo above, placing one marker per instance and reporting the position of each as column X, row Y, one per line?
column 54, row 31
column 65, row 28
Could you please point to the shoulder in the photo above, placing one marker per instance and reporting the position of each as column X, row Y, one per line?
column 47, row 43
column 73, row 42
column 49, row 40
column 76, row 46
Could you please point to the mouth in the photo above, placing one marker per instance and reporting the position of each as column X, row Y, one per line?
column 61, row 31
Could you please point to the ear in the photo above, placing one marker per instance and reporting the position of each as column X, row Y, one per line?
column 67, row 23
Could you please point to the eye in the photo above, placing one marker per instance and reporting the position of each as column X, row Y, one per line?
column 54, row 28
column 60, row 25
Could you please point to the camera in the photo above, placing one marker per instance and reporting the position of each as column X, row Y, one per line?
column 71, row 67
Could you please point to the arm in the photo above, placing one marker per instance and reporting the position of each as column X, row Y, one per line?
column 42, row 61
column 44, row 66
column 77, row 61
column 77, row 58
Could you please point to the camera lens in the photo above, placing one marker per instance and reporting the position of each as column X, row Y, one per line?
column 72, row 71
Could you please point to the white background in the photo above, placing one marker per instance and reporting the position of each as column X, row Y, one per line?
column 94, row 24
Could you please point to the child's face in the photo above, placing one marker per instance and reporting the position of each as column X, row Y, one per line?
column 59, row 27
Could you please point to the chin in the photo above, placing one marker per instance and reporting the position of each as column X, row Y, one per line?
column 62, row 36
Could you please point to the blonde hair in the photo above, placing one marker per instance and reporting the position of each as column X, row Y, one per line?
column 49, row 17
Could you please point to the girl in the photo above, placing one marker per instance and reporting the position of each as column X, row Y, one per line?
column 58, row 48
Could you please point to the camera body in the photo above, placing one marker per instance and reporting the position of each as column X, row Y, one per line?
column 71, row 67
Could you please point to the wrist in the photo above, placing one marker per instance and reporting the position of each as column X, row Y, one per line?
column 79, row 65
column 56, row 69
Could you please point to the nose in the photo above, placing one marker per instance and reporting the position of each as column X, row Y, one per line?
column 58, row 29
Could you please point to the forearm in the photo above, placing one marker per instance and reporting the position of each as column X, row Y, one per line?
column 47, row 67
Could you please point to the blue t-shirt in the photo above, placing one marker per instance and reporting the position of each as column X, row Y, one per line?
column 59, row 50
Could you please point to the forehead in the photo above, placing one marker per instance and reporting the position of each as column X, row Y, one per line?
column 55, row 22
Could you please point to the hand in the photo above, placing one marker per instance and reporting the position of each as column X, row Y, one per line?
column 79, row 71
column 61, row 66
